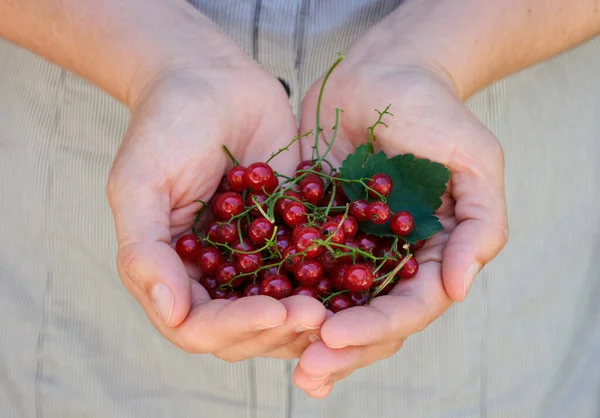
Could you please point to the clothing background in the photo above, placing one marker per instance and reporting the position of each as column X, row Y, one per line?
column 526, row 343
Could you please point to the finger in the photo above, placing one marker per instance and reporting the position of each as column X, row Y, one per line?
column 482, row 229
column 321, row 365
column 145, row 258
column 303, row 314
column 410, row 307
column 294, row 349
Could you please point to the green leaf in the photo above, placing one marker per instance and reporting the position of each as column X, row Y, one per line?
column 418, row 187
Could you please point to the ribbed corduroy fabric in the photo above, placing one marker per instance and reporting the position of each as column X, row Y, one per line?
column 74, row 344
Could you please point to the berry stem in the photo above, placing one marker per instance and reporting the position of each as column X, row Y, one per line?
column 287, row 147
column 325, row 300
column 371, row 128
column 230, row 155
column 318, row 129
column 198, row 215
column 389, row 277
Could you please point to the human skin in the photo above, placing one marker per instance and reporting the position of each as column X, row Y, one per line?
column 190, row 90
column 426, row 59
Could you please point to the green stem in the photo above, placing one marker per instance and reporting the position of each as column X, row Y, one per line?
column 231, row 157
column 287, row 147
column 390, row 277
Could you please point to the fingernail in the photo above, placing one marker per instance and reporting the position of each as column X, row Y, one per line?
column 320, row 378
column 470, row 274
column 313, row 338
column 163, row 299
column 268, row 326
column 303, row 328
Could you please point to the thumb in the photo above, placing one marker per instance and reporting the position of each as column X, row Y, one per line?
column 149, row 267
column 482, row 229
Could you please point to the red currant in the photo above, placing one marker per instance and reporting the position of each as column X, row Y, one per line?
column 402, row 223
column 378, row 212
column 295, row 214
column 219, row 293
column 417, row 246
column 359, row 298
column 244, row 246
column 306, row 291
column 367, row 242
column 337, row 200
column 305, row 242
column 358, row 209
column 209, row 259
column 269, row 271
column 306, row 165
column 226, row 233
column 385, row 251
column 339, row 303
column 227, row 205
column 324, row 287
column 291, row 260
column 350, row 225
column 357, row 278
column 283, row 242
column 235, row 178
column 259, row 175
column 382, row 184
column 209, row 283
column 312, row 189
column 235, row 295
column 276, row 286
column 226, row 274
column 223, row 185
column 308, row 272
column 188, row 247
column 337, row 185
column 282, row 202
column 331, row 231
column 328, row 261
column 254, row 199
column 350, row 245
column 252, row 289
column 260, row 230
column 410, row 269
column 247, row 263
column 337, row 277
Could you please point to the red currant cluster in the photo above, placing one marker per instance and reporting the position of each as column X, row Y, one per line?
column 300, row 236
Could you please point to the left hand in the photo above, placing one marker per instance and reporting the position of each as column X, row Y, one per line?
column 431, row 122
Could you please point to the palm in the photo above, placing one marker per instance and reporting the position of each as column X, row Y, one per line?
column 428, row 121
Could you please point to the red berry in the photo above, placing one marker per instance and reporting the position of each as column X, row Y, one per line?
column 378, row 212
column 228, row 205
column 357, row 278
column 337, row 200
column 269, row 271
column 224, row 185
column 337, row 185
column 188, row 247
column 283, row 242
column 209, row 283
column 402, row 223
column 226, row 274
column 235, row 178
column 219, row 293
column 252, row 289
column 259, row 175
column 308, row 272
column 306, row 165
column 284, row 230
column 235, row 295
column 339, row 303
column 260, row 230
column 260, row 198
column 350, row 244
column 244, row 246
column 209, row 259
column 276, row 286
column 382, row 184
column 359, row 298
column 350, row 225
column 358, row 209
column 305, row 242
column 367, row 242
column 305, row 291
column 385, row 250
column 410, row 269
column 295, row 214
column 226, row 233
column 247, row 263
column 328, row 261
column 272, row 185
column 211, row 231
column 417, row 246
column 324, row 287
column 282, row 202
column 291, row 260
column 312, row 189
column 337, row 277
column 330, row 229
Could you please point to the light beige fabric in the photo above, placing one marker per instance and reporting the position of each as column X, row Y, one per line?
column 525, row 344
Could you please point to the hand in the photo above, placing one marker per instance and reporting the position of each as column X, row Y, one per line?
column 171, row 157
column 430, row 121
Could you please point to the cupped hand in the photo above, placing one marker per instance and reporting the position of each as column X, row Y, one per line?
column 430, row 121
column 170, row 159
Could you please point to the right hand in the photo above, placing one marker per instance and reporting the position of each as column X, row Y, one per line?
column 172, row 157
